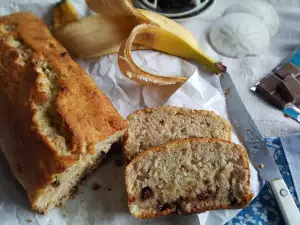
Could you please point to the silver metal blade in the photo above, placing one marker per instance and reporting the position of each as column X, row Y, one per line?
column 246, row 128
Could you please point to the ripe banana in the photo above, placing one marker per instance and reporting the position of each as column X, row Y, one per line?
column 118, row 27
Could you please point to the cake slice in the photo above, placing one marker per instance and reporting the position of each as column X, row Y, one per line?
column 188, row 176
column 155, row 126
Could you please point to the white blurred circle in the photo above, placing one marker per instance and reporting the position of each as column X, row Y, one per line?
column 239, row 35
column 260, row 9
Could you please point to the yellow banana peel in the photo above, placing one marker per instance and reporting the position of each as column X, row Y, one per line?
column 119, row 27
column 64, row 13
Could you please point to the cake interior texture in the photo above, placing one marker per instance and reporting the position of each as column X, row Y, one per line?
column 66, row 183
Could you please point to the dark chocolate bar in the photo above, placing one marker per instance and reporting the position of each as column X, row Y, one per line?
column 282, row 86
column 268, row 88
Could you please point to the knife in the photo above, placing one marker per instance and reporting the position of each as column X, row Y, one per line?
column 258, row 151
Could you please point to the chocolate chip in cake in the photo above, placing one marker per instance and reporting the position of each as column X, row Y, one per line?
column 178, row 206
column 56, row 183
column 109, row 189
column 162, row 122
column 63, row 54
column 146, row 193
column 232, row 199
column 203, row 196
column 96, row 187
column 164, row 207
column 206, row 181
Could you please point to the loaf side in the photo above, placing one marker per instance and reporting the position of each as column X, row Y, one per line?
column 53, row 117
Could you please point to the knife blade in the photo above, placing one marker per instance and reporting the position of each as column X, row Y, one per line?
column 258, row 151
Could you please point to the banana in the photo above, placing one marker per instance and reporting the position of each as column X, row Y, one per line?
column 119, row 27
column 166, row 36
column 64, row 13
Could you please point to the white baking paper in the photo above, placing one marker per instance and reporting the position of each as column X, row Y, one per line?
column 108, row 205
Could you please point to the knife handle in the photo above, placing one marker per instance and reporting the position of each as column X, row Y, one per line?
column 286, row 203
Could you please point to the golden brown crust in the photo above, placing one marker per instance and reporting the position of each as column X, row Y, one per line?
column 170, row 211
column 246, row 200
column 85, row 112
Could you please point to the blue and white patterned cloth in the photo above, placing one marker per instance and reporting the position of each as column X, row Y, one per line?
column 263, row 210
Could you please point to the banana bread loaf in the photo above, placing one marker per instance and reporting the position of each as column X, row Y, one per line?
column 155, row 126
column 55, row 123
column 188, row 176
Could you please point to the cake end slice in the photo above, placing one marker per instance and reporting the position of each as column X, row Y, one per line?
column 188, row 176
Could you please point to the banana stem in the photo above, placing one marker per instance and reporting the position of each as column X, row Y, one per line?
column 209, row 63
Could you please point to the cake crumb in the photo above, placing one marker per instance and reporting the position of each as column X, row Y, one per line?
column 29, row 221
column 261, row 166
column 96, row 187
column 72, row 197
column 227, row 92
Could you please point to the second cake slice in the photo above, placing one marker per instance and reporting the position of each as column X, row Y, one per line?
column 155, row 126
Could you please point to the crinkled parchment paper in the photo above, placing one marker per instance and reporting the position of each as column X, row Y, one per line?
column 108, row 204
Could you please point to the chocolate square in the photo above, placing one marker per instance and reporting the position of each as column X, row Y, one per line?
column 277, row 100
column 288, row 69
column 289, row 77
column 268, row 85
column 274, row 99
column 289, row 89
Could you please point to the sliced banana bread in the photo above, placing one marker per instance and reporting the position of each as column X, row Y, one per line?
column 188, row 176
column 155, row 126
